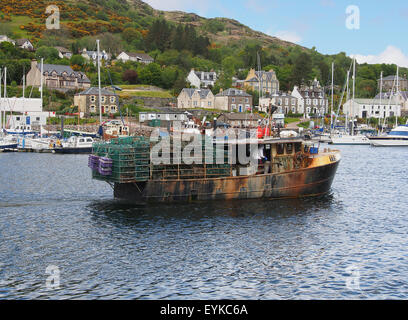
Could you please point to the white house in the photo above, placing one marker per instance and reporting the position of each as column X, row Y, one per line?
column 25, row 44
column 137, row 57
column 372, row 108
column 311, row 99
column 4, row 38
column 286, row 103
column 93, row 55
column 201, row 79
column 63, row 52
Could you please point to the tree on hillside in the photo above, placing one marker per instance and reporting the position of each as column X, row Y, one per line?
column 130, row 76
column 302, row 69
column 49, row 54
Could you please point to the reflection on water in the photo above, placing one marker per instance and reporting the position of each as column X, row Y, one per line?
column 53, row 213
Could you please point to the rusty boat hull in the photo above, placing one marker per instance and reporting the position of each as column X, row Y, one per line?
column 314, row 180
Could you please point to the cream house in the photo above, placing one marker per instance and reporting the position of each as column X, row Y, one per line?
column 262, row 81
column 195, row 98
column 88, row 101
column 57, row 77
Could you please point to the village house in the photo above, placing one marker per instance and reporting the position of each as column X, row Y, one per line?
column 88, row 101
column 4, row 38
column 63, row 52
column 240, row 120
column 312, row 100
column 233, row 100
column 25, row 44
column 201, row 79
column 372, row 108
column 55, row 76
column 262, row 81
column 134, row 56
column 286, row 103
column 195, row 98
column 401, row 98
column 390, row 82
column 93, row 55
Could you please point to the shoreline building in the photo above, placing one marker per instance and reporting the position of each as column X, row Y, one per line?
column 312, row 99
column 195, row 98
column 233, row 100
column 286, row 103
column 372, row 108
column 88, row 101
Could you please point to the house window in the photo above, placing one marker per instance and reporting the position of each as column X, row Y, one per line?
column 103, row 98
column 246, row 100
column 195, row 103
column 113, row 109
column 92, row 98
column 233, row 100
column 112, row 99
column 92, row 108
column 209, row 103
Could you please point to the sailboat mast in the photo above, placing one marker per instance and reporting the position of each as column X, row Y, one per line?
column 99, row 84
column 381, row 85
column 5, row 95
column 354, row 92
column 347, row 99
column 332, row 97
column 1, row 106
column 396, row 100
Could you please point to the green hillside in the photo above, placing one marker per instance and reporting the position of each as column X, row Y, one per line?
column 178, row 41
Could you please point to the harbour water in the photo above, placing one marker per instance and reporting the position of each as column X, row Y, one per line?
column 350, row 244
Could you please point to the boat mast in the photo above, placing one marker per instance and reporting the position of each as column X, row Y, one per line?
column 5, row 95
column 347, row 99
column 354, row 92
column 1, row 108
column 99, row 84
column 381, row 84
column 332, row 98
column 396, row 99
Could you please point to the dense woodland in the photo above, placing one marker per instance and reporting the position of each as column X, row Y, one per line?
column 176, row 48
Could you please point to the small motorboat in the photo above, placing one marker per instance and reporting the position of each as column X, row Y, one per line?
column 75, row 145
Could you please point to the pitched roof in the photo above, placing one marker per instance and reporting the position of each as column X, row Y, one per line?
column 203, row 75
column 60, row 69
column 20, row 42
column 373, row 101
column 393, row 78
column 62, row 49
column 95, row 91
column 233, row 92
column 385, row 95
column 143, row 56
column 241, row 116
column 202, row 92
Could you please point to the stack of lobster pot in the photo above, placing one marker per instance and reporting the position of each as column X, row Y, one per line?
column 93, row 162
column 105, row 166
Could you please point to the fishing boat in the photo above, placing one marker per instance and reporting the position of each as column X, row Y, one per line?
column 276, row 168
column 398, row 137
column 75, row 145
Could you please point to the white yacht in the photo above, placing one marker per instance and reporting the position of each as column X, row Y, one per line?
column 347, row 139
column 398, row 137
